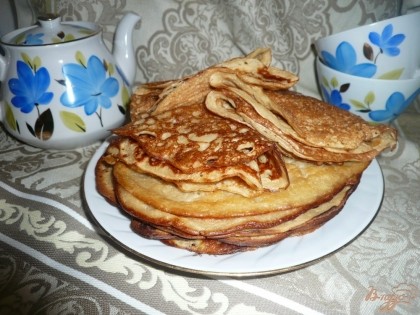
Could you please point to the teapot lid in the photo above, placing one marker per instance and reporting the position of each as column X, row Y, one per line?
column 50, row 30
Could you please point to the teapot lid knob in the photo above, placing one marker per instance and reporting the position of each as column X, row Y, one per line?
column 50, row 22
column 49, row 17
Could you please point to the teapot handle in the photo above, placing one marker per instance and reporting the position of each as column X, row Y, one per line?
column 2, row 68
column 123, row 49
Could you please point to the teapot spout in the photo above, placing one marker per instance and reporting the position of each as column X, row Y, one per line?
column 123, row 50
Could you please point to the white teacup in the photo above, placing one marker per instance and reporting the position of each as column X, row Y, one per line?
column 376, row 101
column 389, row 49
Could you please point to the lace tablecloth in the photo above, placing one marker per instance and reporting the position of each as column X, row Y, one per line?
column 55, row 260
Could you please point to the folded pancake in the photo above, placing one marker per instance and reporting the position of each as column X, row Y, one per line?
column 267, row 172
column 304, row 127
column 193, row 139
column 147, row 95
column 172, row 94
column 192, row 144
column 323, row 125
column 254, row 68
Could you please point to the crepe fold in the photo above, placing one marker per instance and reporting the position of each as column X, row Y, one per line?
column 231, row 159
column 304, row 127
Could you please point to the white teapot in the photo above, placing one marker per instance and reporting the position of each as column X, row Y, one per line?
column 61, row 87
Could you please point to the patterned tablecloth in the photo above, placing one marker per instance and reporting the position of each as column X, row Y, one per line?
column 55, row 260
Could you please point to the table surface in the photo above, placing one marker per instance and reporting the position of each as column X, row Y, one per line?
column 54, row 258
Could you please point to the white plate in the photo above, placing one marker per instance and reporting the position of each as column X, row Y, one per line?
column 289, row 254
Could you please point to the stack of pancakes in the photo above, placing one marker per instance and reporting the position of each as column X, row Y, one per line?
column 230, row 159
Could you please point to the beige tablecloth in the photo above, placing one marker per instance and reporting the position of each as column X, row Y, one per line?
column 55, row 260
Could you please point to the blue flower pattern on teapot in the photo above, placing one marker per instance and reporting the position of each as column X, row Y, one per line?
column 34, row 39
column 30, row 87
column 88, row 86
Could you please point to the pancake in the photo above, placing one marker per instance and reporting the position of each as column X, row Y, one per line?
column 103, row 174
column 310, row 185
column 192, row 139
column 357, row 140
column 270, row 239
column 337, row 202
column 232, row 185
column 209, row 247
column 258, row 225
column 243, row 242
column 185, row 92
column 254, row 68
column 199, row 246
column 103, row 177
column 150, row 232
column 144, row 98
column 266, row 172
column 323, row 125
column 192, row 227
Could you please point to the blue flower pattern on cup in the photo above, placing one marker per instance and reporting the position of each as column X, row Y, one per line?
column 395, row 105
column 334, row 97
column 30, row 87
column 345, row 61
column 345, row 55
column 89, row 87
column 332, row 91
column 387, row 43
